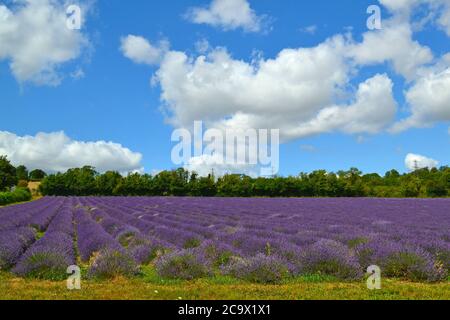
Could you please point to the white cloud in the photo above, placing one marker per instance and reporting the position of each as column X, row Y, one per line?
column 78, row 74
column 310, row 29
column 272, row 93
column 438, row 11
column 393, row 44
column 429, row 99
column 374, row 108
column 202, row 46
column 36, row 42
column 56, row 152
column 444, row 20
column 415, row 161
column 140, row 50
column 428, row 95
column 308, row 91
column 399, row 5
column 228, row 15
column 296, row 92
column 207, row 164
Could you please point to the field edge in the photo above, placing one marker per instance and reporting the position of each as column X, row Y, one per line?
column 12, row 288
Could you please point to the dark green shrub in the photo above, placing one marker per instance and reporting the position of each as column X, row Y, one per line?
column 18, row 195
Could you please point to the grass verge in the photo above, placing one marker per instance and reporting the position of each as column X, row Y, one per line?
column 151, row 287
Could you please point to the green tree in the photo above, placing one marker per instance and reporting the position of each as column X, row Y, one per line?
column 234, row 185
column 179, row 182
column 106, row 183
column 411, row 187
column 320, row 183
column 55, row 185
column 81, row 181
column 37, row 175
column 75, row 182
column 134, row 185
column 437, row 189
column 8, row 177
column 319, row 180
column 202, row 186
column 354, row 186
column 22, row 173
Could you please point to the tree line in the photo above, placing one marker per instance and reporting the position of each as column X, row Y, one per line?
column 87, row 181
column 352, row 183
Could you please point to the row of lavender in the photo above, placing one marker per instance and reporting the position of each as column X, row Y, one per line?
column 261, row 240
column 21, row 225
column 42, row 239
column 340, row 237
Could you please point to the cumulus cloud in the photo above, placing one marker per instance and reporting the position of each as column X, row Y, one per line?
column 399, row 5
column 438, row 11
column 294, row 92
column 308, row 91
column 228, row 15
column 415, row 161
column 429, row 99
column 444, row 19
column 36, row 42
column 140, row 50
column 393, row 44
column 272, row 93
column 374, row 108
column 207, row 164
column 55, row 151
column 427, row 94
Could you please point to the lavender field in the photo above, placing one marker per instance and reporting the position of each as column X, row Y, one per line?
column 259, row 240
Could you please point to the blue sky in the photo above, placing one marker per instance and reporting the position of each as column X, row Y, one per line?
column 102, row 95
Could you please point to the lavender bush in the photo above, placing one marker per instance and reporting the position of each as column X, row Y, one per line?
column 48, row 258
column 259, row 269
column 328, row 257
column 402, row 260
column 92, row 237
column 183, row 264
column 217, row 254
column 110, row 263
column 144, row 249
column 12, row 245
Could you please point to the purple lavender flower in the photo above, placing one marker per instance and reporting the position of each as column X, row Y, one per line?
column 258, row 269
column 407, row 238
column 112, row 263
column 402, row 260
column 332, row 258
column 184, row 264
column 92, row 237
column 12, row 245
column 48, row 258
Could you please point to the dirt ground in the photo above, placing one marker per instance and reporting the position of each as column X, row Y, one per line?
column 33, row 186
